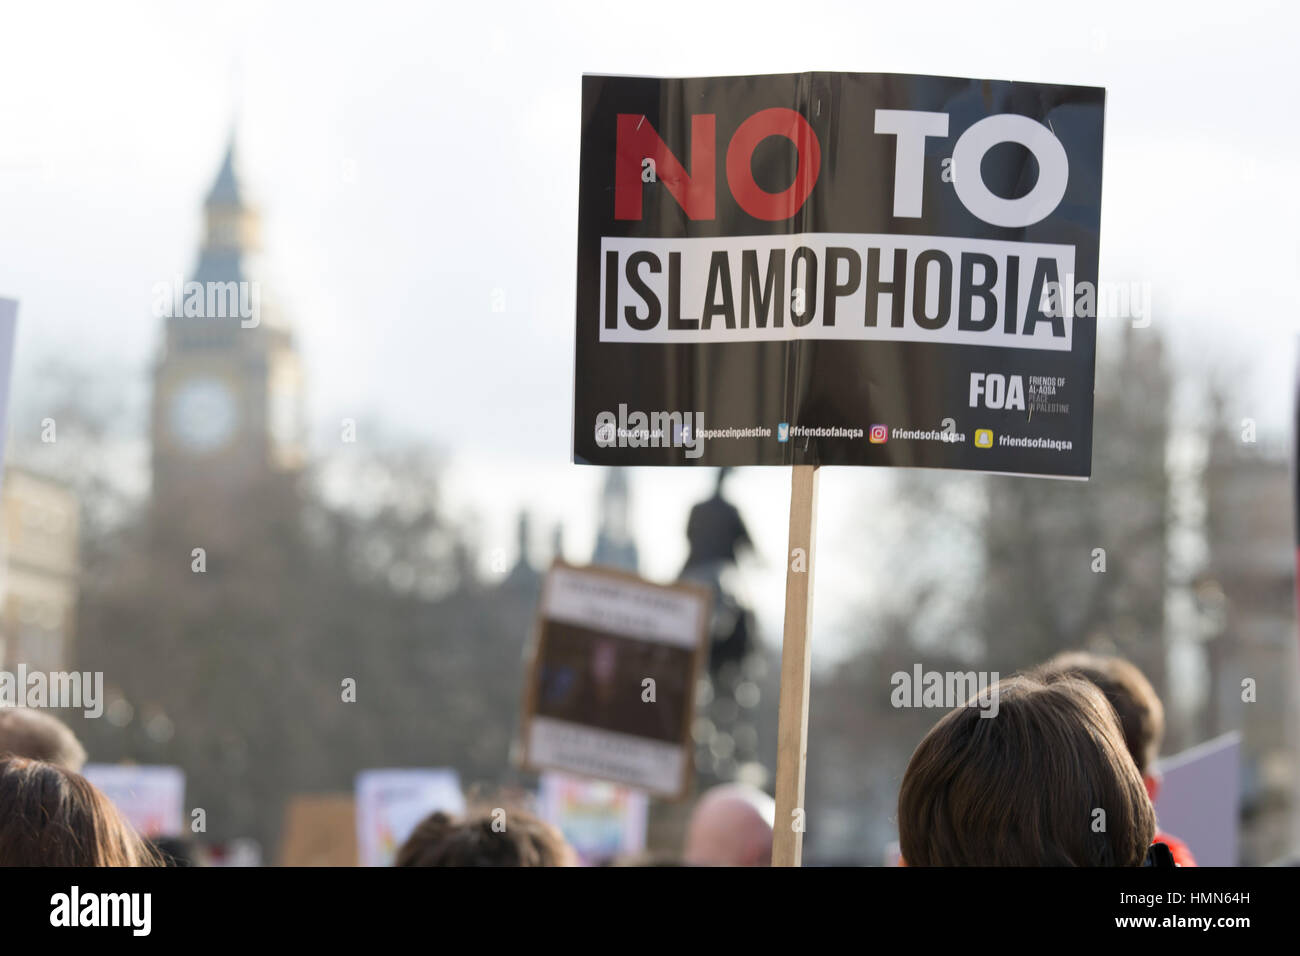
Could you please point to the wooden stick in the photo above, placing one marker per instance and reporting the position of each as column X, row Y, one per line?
column 796, row 655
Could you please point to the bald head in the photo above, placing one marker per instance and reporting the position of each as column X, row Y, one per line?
column 731, row 826
column 39, row 736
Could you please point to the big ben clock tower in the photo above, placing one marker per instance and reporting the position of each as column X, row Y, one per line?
column 227, row 390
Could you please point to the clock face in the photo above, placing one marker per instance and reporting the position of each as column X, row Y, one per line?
column 202, row 415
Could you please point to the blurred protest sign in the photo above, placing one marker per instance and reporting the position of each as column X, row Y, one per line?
column 1295, row 474
column 239, row 852
column 1199, row 800
column 835, row 269
column 8, row 322
column 390, row 803
column 320, row 829
column 152, row 798
column 610, row 692
column 601, row 820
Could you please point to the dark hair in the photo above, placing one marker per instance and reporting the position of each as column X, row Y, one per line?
column 1023, row 788
column 485, row 838
column 39, row 736
column 647, row 859
column 177, row 851
column 1141, row 715
column 51, row 816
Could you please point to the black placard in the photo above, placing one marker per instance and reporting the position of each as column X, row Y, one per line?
column 838, row 269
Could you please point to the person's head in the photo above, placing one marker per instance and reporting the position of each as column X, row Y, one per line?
column 644, row 860
column 178, row 851
column 485, row 837
column 39, row 736
column 52, row 816
column 731, row 825
column 1141, row 715
column 1047, row 782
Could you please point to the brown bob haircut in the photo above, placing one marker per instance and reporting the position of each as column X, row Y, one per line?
column 51, row 816
column 1023, row 788
column 526, row 840
column 1141, row 715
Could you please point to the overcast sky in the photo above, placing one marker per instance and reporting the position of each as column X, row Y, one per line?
column 411, row 159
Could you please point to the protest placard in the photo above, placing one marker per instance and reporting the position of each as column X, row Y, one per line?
column 1199, row 800
column 610, row 691
column 151, row 798
column 320, row 829
column 836, row 269
column 602, row 821
column 391, row 803
column 8, row 325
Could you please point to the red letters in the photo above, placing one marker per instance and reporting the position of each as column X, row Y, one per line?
column 696, row 192
column 740, row 173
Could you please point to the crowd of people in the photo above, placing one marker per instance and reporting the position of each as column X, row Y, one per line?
column 1061, row 776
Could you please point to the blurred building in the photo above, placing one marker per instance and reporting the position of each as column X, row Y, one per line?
column 227, row 388
column 1085, row 564
column 1247, row 596
column 615, row 546
column 38, row 547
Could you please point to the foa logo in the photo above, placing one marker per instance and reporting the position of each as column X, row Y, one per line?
column 997, row 391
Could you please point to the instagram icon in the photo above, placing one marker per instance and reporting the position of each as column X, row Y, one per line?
column 879, row 434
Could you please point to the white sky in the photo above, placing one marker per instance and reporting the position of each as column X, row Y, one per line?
column 411, row 159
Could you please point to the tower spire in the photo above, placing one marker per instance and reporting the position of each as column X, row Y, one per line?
column 225, row 189
column 231, row 226
column 615, row 546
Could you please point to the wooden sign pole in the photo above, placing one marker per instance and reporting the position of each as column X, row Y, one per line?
column 796, row 655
